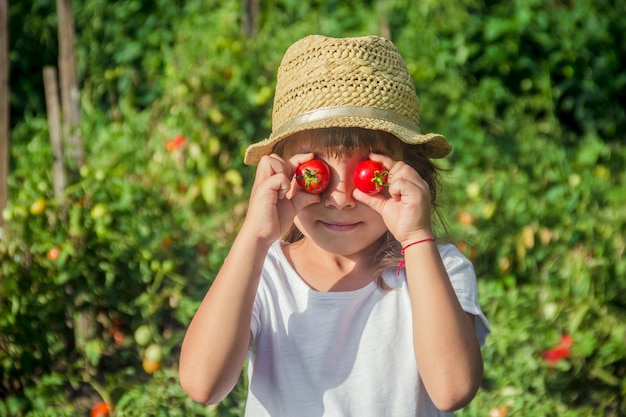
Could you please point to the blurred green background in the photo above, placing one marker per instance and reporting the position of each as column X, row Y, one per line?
column 532, row 94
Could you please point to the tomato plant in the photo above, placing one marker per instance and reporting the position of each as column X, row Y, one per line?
column 313, row 176
column 370, row 176
column 537, row 184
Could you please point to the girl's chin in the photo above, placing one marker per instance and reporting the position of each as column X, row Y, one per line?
column 341, row 242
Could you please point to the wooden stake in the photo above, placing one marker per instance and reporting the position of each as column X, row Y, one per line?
column 4, row 105
column 84, row 328
column 250, row 20
column 383, row 24
column 69, row 84
column 54, row 126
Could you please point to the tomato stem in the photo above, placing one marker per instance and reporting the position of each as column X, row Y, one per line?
column 379, row 179
column 309, row 176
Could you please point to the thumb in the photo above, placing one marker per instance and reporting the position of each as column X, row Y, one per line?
column 301, row 199
column 374, row 201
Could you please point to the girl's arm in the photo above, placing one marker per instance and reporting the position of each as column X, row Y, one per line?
column 218, row 337
column 446, row 347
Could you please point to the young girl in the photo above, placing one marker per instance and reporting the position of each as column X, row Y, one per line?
column 343, row 302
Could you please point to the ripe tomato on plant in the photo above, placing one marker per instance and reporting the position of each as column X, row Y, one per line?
column 152, row 358
column 501, row 411
column 150, row 366
column 313, row 176
column 118, row 337
column 465, row 218
column 101, row 409
column 53, row 253
column 370, row 177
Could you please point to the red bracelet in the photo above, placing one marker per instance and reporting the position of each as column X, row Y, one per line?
column 428, row 239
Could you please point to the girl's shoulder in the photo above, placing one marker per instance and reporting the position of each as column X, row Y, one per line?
column 455, row 262
column 449, row 249
column 454, row 259
column 276, row 258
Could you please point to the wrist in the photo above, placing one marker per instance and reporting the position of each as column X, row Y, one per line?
column 417, row 236
column 254, row 237
column 416, row 243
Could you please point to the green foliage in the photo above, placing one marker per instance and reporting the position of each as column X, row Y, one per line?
column 163, row 396
column 121, row 49
column 531, row 94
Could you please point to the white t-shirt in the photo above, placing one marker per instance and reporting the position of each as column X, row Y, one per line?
column 342, row 354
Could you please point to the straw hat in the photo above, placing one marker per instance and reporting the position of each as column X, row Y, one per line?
column 347, row 82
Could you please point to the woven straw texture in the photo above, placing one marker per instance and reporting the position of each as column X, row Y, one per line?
column 345, row 82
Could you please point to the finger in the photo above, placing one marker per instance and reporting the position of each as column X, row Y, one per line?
column 386, row 160
column 409, row 192
column 271, row 189
column 400, row 187
column 396, row 169
column 268, row 166
column 402, row 171
column 300, row 158
column 273, row 164
column 299, row 198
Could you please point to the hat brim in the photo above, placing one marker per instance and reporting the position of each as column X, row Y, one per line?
column 434, row 145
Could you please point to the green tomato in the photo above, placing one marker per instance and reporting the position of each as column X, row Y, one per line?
column 7, row 214
column 167, row 266
column 154, row 353
column 143, row 335
column 98, row 211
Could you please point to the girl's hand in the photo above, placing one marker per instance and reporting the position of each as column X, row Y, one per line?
column 275, row 198
column 405, row 206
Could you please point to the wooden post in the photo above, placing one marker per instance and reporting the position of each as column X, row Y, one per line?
column 250, row 21
column 54, row 126
column 4, row 105
column 384, row 28
column 69, row 84
column 84, row 329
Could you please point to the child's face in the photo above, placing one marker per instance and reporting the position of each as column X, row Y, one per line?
column 338, row 223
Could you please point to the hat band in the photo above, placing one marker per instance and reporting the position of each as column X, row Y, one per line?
column 346, row 111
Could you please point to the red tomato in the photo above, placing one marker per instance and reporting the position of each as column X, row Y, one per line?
column 53, row 253
column 465, row 218
column 313, row 176
column 118, row 337
column 370, row 177
column 101, row 410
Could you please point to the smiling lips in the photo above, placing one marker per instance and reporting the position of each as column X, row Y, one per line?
column 340, row 226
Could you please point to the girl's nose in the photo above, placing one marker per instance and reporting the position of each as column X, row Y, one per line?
column 339, row 192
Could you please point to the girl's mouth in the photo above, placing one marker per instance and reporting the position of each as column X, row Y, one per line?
column 339, row 226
